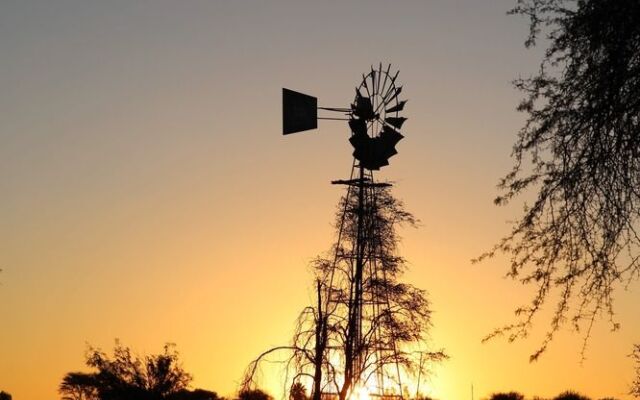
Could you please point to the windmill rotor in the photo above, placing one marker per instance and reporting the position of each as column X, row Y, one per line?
column 375, row 120
column 374, row 116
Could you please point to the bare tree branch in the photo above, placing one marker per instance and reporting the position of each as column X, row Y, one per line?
column 580, row 150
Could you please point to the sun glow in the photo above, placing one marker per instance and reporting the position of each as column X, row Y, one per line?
column 360, row 393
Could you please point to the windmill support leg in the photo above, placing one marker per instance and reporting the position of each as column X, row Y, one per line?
column 354, row 339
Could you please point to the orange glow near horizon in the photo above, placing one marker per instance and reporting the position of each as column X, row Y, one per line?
column 148, row 194
column 361, row 393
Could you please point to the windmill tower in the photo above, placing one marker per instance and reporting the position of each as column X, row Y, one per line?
column 353, row 288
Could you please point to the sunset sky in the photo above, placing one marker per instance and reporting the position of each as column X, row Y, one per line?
column 147, row 192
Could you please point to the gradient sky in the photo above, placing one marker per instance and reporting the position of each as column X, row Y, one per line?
column 147, row 193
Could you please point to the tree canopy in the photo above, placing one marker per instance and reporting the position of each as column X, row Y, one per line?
column 393, row 338
column 298, row 392
column 571, row 395
column 579, row 151
column 254, row 394
column 128, row 377
column 507, row 396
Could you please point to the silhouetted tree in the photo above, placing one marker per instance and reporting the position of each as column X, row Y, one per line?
column 298, row 392
column 4, row 395
column 78, row 386
column 128, row 377
column 403, row 325
column 580, row 151
column 570, row 395
column 635, row 386
column 507, row 396
column 322, row 334
column 254, row 394
column 196, row 394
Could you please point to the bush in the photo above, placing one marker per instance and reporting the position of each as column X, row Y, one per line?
column 570, row 395
column 254, row 394
column 507, row 396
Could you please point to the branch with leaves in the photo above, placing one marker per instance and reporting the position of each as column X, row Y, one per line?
column 580, row 152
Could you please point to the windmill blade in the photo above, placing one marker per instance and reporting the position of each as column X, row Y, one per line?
column 395, row 76
column 393, row 80
column 398, row 107
column 391, row 136
column 386, row 76
column 358, row 127
column 363, row 108
column 373, row 79
column 363, row 151
column 396, row 122
column 393, row 92
column 299, row 112
column 389, row 152
column 397, row 92
column 384, row 91
column 366, row 87
column 374, row 153
column 380, row 153
column 379, row 77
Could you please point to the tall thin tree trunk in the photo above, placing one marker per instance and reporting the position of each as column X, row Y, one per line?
column 321, row 342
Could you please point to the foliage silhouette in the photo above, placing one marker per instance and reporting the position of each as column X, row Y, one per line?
column 570, row 395
column 78, row 386
column 129, row 377
column 195, row 394
column 254, row 394
column 403, row 327
column 507, row 396
column 635, row 386
column 298, row 392
column 580, row 151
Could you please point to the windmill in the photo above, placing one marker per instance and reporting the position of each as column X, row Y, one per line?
column 375, row 122
column 373, row 117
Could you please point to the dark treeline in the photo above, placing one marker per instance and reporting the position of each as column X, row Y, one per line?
column 126, row 376
column 567, row 395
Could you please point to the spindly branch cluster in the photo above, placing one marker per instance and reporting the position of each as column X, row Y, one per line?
column 395, row 316
column 580, row 149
